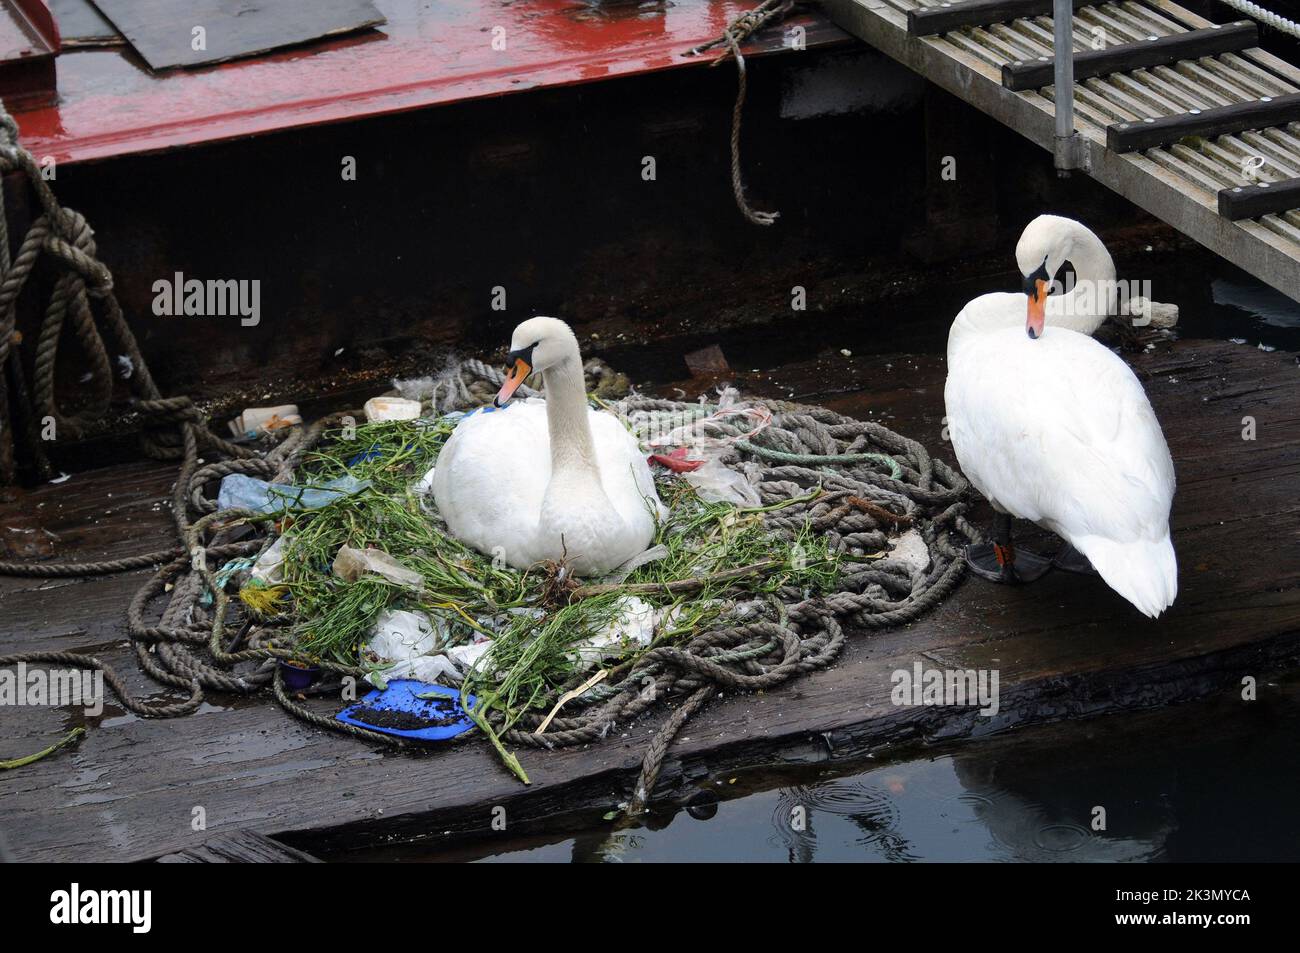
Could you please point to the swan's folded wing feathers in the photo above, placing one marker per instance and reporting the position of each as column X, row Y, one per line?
column 513, row 446
column 1113, row 452
column 624, row 468
column 1062, row 433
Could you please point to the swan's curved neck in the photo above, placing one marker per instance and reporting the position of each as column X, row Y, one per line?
column 573, row 452
column 1092, row 299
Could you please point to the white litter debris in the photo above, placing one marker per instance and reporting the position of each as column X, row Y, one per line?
column 404, row 644
column 632, row 627
column 398, row 635
column 62, row 478
column 269, row 568
column 1154, row 314
column 259, row 420
column 125, row 366
column 424, row 485
column 910, row 550
column 713, row 481
column 392, row 408
column 846, row 352
column 466, row 657
column 717, row 483
column 351, row 564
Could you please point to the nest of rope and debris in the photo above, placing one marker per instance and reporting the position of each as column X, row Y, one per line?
column 795, row 521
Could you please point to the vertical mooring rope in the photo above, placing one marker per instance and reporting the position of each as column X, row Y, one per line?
column 738, row 31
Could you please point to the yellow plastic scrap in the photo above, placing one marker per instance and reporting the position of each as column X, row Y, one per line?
column 264, row 600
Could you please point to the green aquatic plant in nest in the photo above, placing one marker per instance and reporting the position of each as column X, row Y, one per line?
column 535, row 633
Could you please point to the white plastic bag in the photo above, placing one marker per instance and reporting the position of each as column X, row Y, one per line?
column 633, row 627
column 718, row 483
column 351, row 564
column 405, row 645
column 466, row 657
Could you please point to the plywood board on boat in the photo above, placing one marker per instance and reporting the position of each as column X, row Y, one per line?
column 1065, row 647
column 81, row 24
column 171, row 33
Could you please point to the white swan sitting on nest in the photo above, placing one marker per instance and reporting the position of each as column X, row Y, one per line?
column 550, row 479
column 1053, row 427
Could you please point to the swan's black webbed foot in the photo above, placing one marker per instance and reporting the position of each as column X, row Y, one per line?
column 1071, row 560
column 1006, row 565
column 1002, row 561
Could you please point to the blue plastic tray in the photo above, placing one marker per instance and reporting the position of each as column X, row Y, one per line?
column 400, row 695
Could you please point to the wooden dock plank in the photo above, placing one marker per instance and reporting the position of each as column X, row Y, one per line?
column 929, row 21
column 1219, row 121
column 1064, row 647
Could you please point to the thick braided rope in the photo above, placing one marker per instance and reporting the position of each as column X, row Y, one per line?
column 919, row 490
column 1266, row 17
column 65, row 237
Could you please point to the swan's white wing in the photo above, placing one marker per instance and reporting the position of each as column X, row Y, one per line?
column 1059, row 431
column 624, row 471
column 491, row 475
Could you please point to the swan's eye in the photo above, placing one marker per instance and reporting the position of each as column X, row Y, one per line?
column 1031, row 281
column 524, row 353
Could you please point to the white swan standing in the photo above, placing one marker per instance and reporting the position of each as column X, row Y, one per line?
column 1053, row 427
column 549, row 479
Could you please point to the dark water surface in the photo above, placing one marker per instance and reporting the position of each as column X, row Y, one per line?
column 1212, row 780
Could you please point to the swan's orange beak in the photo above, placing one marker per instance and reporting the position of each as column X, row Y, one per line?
column 518, row 372
column 1037, row 305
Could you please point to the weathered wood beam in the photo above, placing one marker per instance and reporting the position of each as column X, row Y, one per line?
column 1156, row 51
column 1263, row 198
column 928, row 21
column 1206, row 123
column 239, row 847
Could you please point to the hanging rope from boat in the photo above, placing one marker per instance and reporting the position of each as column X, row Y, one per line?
column 175, row 428
column 738, row 31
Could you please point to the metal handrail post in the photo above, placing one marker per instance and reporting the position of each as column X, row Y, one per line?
column 1068, row 150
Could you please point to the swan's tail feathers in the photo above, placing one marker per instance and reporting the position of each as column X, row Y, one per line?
column 1144, row 572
